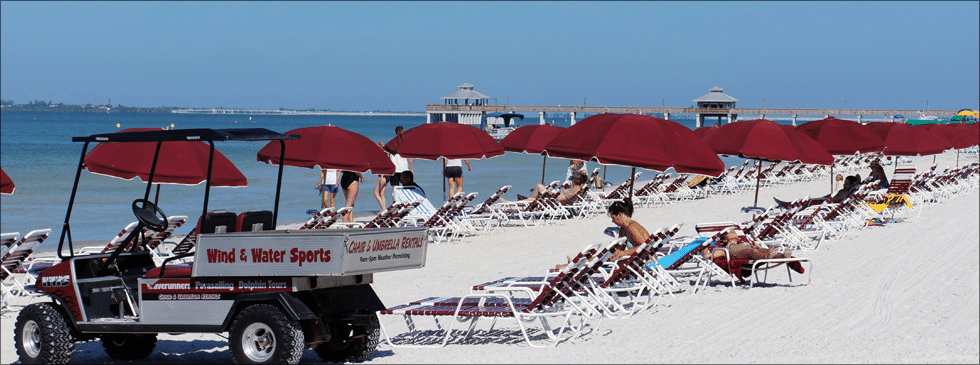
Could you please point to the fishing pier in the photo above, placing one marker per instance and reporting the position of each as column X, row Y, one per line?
column 467, row 106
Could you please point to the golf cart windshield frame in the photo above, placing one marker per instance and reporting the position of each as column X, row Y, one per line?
column 160, row 136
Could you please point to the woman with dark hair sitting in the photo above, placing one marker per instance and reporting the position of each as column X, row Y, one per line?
column 621, row 213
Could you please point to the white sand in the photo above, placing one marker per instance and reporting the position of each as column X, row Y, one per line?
column 907, row 292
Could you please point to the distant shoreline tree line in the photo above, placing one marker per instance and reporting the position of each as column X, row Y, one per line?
column 50, row 106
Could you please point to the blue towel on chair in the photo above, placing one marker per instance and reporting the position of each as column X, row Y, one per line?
column 673, row 257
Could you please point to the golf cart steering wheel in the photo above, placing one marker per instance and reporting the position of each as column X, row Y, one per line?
column 150, row 215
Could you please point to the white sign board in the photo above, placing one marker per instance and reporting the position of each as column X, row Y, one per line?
column 327, row 252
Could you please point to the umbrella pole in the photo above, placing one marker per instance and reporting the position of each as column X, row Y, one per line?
column 632, row 175
column 444, row 179
column 543, row 163
column 758, row 177
column 156, row 200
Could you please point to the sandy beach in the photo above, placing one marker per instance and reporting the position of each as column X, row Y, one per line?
column 905, row 292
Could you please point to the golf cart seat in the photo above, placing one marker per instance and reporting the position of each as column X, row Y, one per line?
column 217, row 222
column 256, row 220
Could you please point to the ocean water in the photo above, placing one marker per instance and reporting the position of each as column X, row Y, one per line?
column 37, row 153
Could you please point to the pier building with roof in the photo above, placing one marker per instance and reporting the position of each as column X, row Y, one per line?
column 718, row 104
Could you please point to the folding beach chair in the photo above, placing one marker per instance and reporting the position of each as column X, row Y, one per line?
column 529, row 213
column 113, row 243
column 316, row 218
column 330, row 219
column 16, row 256
column 553, row 300
column 408, row 194
column 740, row 268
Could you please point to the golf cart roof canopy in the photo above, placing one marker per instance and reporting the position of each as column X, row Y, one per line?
column 200, row 134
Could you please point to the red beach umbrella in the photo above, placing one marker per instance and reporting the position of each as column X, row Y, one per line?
column 431, row 141
column 905, row 140
column 531, row 139
column 841, row 137
column 180, row 162
column 970, row 131
column 704, row 132
column 6, row 184
column 810, row 151
column 636, row 140
column 939, row 134
column 329, row 147
column 762, row 139
column 448, row 140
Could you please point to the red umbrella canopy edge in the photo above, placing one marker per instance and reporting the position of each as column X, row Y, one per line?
column 530, row 138
column 180, row 162
column 431, row 141
column 329, row 147
column 6, row 184
column 842, row 137
column 906, row 140
column 636, row 140
column 704, row 132
column 766, row 140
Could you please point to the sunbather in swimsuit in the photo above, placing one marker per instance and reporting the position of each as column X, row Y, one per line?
column 748, row 251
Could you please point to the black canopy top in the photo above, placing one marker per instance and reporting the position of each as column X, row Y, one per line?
column 198, row 134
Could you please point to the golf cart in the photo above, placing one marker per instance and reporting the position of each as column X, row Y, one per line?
column 276, row 292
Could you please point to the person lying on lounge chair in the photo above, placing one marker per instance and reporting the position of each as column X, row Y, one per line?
column 851, row 183
column 578, row 180
column 748, row 251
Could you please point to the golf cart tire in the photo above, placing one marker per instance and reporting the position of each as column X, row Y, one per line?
column 42, row 336
column 340, row 349
column 126, row 346
column 265, row 322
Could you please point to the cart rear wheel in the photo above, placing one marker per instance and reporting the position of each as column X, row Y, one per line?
column 129, row 346
column 263, row 334
column 42, row 336
column 351, row 342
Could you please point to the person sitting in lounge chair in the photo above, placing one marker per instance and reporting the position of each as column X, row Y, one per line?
column 578, row 180
column 851, row 183
column 877, row 179
column 621, row 212
column 409, row 192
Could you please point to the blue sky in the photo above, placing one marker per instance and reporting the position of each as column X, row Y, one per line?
column 403, row 55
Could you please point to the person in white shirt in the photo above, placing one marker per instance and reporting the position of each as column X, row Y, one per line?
column 579, row 166
column 454, row 173
column 328, row 186
column 401, row 164
column 575, row 166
